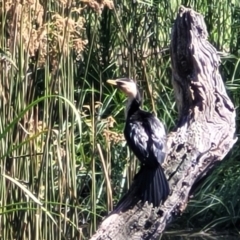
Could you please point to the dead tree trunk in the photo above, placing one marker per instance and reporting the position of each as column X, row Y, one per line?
column 203, row 136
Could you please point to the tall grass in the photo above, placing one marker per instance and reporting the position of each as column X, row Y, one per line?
column 64, row 161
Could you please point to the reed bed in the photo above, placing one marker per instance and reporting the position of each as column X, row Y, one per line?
column 64, row 161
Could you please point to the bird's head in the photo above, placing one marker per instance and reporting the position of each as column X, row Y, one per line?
column 127, row 85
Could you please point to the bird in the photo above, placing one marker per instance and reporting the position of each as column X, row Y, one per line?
column 145, row 135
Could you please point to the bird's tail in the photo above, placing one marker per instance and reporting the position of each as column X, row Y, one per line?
column 149, row 185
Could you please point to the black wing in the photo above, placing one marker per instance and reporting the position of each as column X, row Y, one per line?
column 146, row 137
column 158, row 137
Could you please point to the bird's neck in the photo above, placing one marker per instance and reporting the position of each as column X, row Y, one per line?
column 133, row 105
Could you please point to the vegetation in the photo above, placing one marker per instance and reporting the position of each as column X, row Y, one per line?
column 64, row 162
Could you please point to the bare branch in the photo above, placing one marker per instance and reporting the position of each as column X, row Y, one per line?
column 204, row 134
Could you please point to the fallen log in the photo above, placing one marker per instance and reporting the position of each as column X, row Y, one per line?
column 204, row 134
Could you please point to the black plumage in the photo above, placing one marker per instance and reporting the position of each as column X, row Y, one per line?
column 146, row 137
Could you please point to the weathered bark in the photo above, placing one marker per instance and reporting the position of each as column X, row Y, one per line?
column 203, row 136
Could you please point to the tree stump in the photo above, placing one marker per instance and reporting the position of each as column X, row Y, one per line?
column 204, row 134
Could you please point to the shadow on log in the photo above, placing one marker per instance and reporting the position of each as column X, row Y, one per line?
column 203, row 136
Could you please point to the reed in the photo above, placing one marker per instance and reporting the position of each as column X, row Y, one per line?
column 64, row 161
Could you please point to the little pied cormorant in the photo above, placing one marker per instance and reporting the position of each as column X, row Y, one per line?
column 146, row 137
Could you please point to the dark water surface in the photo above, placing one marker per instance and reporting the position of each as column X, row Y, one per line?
column 200, row 236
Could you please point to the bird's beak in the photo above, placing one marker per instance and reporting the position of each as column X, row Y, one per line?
column 112, row 82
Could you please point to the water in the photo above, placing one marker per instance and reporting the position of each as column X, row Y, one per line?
column 181, row 235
